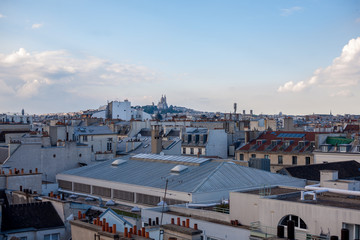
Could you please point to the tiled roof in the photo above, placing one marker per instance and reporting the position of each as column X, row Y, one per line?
column 292, row 138
column 34, row 215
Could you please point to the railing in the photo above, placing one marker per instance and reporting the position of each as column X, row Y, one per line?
column 221, row 210
column 261, row 232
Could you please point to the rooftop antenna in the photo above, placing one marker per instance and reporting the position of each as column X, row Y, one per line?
column 235, row 107
column 163, row 205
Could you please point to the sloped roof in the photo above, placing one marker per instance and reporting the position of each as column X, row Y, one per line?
column 347, row 170
column 4, row 153
column 207, row 177
column 93, row 130
column 34, row 215
column 292, row 138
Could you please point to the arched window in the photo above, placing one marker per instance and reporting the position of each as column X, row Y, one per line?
column 299, row 223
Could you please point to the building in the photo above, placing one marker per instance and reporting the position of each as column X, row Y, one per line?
column 101, row 140
column 35, row 221
column 141, row 179
column 35, row 151
column 348, row 170
column 162, row 105
column 321, row 211
column 282, row 148
column 204, row 142
column 337, row 148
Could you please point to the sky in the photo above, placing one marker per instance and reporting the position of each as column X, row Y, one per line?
column 289, row 56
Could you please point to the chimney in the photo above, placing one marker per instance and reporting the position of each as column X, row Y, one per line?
column 156, row 140
column 328, row 175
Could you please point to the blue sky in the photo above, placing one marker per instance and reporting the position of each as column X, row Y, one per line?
column 297, row 57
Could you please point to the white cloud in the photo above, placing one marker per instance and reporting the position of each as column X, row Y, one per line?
column 25, row 75
column 2, row 16
column 290, row 11
column 343, row 93
column 37, row 25
column 341, row 75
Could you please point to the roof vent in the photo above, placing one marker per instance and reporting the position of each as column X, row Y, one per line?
column 179, row 168
column 118, row 162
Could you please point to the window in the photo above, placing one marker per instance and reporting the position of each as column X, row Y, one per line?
column 253, row 155
column 184, row 150
column 191, row 150
column 85, row 138
column 241, row 156
column 280, row 159
column 92, row 148
column 307, row 160
column 299, row 223
column 200, row 151
column 109, row 146
column 92, row 138
column 266, row 156
column 189, row 138
column 294, row 160
column 55, row 236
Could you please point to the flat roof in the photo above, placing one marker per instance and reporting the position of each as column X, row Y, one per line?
column 322, row 199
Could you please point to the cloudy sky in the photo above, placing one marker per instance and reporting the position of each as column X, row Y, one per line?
column 298, row 57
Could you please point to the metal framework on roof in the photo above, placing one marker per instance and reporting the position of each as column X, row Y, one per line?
column 170, row 158
column 291, row 135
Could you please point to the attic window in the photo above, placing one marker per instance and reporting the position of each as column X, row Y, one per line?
column 179, row 168
column 118, row 162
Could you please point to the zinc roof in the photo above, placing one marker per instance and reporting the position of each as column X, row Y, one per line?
column 208, row 177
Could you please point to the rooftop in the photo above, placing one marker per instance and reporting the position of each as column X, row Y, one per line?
column 346, row 169
column 322, row 199
column 34, row 215
column 208, row 177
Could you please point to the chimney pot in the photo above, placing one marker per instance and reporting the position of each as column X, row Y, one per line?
column 135, row 230
column 183, row 223
column 147, row 235
column 103, row 228
column 195, row 226
column 114, row 229
column 36, row 170
column 30, row 171
column 172, row 221
column 143, row 232
column 79, row 213
column 125, row 232
column 84, row 216
column 139, row 232
column 110, row 230
column 178, row 221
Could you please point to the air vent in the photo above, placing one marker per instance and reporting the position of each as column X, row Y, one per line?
column 179, row 168
column 118, row 162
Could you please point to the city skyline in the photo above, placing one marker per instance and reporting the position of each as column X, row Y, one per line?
column 297, row 57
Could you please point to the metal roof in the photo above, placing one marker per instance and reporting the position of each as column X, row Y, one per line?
column 170, row 158
column 208, row 177
column 93, row 130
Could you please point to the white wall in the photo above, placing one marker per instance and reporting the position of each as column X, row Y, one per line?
column 248, row 208
column 320, row 157
column 49, row 160
column 122, row 110
column 217, row 143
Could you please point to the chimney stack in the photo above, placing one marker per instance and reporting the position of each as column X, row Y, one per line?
column 156, row 140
